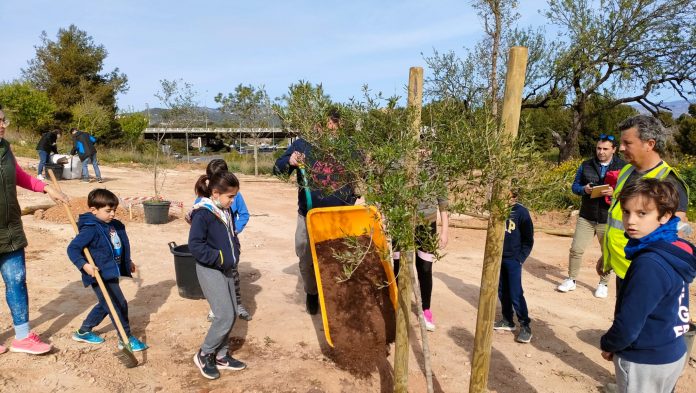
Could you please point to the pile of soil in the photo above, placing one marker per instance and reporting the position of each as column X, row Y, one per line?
column 361, row 316
column 79, row 205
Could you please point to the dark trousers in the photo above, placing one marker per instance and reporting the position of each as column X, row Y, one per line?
column 425, row 279
column 237, row 287
column 510, row 292
column 425, row 234
column 101, row 310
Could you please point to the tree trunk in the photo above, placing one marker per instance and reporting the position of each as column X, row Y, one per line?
column 495, row 9
column 401, row 353
column 570, row 149
column 512, row 103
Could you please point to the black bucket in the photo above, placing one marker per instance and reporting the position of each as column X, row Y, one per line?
column 57, row 170
column 185, row 269
column 156, row 212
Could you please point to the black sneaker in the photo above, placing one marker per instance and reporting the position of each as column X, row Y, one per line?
column 525, row 335
column 229, row 363
column 243, row 313
column 505, row 325
column 206, row 363
column 312, row 304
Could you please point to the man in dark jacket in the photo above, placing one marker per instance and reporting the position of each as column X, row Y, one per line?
column 85, row 149
column 48, row 144
column 326, row 187
column 593, row 211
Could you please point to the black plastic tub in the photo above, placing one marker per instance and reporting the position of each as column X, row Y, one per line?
column 185, row 269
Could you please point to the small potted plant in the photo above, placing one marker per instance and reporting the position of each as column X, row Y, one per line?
column 157, row 208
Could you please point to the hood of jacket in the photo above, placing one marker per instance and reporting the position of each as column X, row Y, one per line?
column 89, row 219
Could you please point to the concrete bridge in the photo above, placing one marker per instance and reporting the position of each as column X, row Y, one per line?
column 211, row 133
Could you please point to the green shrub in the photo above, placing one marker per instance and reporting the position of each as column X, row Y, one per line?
column 552, row 187
column 687, row 170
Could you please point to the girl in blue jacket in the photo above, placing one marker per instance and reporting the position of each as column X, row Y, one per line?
column 106, row 239
column 646, row 340
column 213, row 243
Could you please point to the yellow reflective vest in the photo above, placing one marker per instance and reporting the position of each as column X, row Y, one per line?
column 614, row 238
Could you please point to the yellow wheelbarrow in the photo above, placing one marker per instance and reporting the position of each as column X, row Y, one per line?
column 330, row 223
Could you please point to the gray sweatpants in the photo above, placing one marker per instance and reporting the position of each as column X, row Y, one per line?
column 304, row 252
column 647, row 378
column 219, row 289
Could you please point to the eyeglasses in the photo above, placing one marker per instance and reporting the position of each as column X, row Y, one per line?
column 605, row 137
column 5, row 122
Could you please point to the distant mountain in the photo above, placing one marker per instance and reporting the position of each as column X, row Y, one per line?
column 678, row 107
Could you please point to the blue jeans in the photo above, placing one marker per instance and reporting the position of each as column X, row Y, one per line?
column 14, row 273
column 43, row 159
column 510, row 292
column 95, row 164
column 101, row 310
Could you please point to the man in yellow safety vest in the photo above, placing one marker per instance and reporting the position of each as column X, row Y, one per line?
column 643, row 140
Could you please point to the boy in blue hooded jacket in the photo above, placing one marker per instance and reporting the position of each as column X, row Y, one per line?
column 106, row 239
column 646, row 340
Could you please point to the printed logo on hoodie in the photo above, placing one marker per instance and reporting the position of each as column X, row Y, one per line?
column 683, row 314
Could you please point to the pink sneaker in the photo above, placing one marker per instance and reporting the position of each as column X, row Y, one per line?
column 429, row 322
column 32, row 344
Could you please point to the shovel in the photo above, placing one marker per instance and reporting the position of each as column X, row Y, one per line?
column 125, row 355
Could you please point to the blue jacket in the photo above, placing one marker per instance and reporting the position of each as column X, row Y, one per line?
column 94, row 234
column 649, row 324
column 84, row 145
column 323, row 175
column 519, row 234
column 210, row 242
column 240, row 213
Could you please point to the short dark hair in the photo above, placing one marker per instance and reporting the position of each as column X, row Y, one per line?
column 100, row 197
column 334, row 114
column 215, row 166
column 648, row 128
column 662, row 193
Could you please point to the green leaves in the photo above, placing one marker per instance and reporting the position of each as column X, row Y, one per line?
column 26, row 106
column 70, row 71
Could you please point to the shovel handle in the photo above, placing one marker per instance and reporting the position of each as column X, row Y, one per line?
column 117, row 320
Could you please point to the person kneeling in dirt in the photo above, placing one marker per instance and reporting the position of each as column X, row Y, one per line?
column 646, row 341
column 107, row 242
column 518, row 243
column 322, row 176
column 240, row 215
column 212, row 244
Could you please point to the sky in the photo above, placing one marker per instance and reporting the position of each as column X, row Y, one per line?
column 216, row 45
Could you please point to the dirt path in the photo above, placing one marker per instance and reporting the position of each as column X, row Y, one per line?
column 282, row 344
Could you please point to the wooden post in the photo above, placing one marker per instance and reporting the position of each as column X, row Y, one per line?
column 512, row 103
column 415, row 102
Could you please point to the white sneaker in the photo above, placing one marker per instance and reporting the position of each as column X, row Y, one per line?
column 567, row 285
column 40, row 177
column 602, row 291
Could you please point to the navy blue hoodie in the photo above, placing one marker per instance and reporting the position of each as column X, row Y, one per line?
column 210, row 242
column 519, row 234
column 323, row 176
column 652, row 311
column 95, row 235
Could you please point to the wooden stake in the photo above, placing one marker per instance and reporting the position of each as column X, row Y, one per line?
column 415, row 102
column 512, row 103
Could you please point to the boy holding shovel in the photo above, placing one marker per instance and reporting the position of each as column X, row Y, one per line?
column 106, row 239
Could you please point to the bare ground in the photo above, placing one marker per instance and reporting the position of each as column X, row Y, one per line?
column 283, row 345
